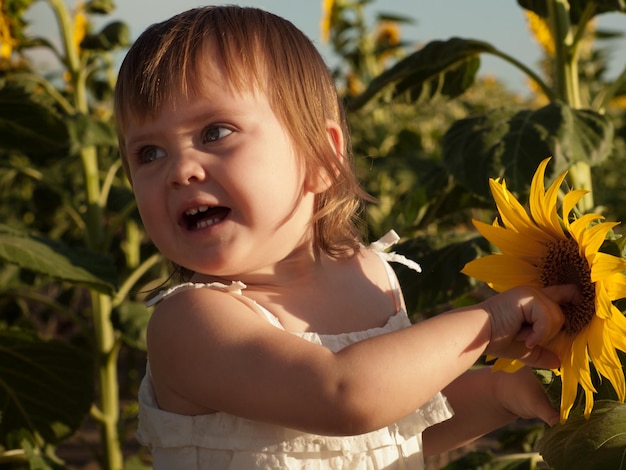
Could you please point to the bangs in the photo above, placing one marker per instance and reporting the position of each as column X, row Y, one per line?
column 174, row 60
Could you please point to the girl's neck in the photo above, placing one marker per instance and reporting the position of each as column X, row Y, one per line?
column 303, row 265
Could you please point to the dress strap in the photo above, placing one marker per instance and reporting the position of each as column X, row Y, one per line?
column 387, row 240
column 234, row 287
column 379, row 247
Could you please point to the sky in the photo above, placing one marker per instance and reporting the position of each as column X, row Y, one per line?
column 499, row 22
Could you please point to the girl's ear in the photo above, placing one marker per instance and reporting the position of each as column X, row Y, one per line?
column 320, row 181
column 335, row 137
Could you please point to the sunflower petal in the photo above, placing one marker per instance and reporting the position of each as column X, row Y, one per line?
column 615, row 285
column 507, row 365
column 603, row 302
column 551, row 197
column 594, row 237
column 578, row 227
column 605, row 265
column 580, row 360
column 511, row 243
column 569, row 390
column 574, row 370
column 502, row 272
column 588, row 403
column 512, row 213
column 604, row 357
column 543, row 204
column 618, row 326
column 569, row 201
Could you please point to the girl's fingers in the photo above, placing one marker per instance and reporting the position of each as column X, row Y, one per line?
column 564, row 294
column 537, row 357
column 546, row 315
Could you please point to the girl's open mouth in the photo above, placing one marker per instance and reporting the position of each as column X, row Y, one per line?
column 204, row 216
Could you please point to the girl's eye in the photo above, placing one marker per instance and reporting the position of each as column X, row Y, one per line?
column 215, row 133
column 149, row 154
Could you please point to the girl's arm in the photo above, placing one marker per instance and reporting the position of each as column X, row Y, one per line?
column 483, row 401
column 209, row 351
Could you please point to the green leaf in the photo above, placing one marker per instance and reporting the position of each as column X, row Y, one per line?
column 576, row 7
column 58, row 260
column 46, row 387
column 114, row 35
column 472, row 460
column 441, row 258
column 27, row 125
column 511, row 143
column 135, row 463
column 439, row 68
column 395, row 18
column 131, row 318
column 85, row 131
column 580, row 444
column 100, row 7
column 478, row 460
column 38, row 458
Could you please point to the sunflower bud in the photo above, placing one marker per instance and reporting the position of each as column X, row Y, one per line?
column 100, row 7
column 113, row 35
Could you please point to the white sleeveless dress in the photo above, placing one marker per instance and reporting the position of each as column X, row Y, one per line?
column 222, row 441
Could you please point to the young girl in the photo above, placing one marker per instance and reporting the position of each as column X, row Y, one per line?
column 291, row 347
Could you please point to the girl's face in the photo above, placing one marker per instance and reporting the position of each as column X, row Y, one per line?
column 219, row 185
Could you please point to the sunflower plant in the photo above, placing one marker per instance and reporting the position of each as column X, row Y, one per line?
column 572, row 121
column 70, row 241
column 538, row 246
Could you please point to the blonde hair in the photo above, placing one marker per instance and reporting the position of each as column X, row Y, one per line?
column 255, row 50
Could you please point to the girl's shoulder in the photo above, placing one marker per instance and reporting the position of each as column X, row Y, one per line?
column 196, row 303
column 193, row 304
column 198, row 335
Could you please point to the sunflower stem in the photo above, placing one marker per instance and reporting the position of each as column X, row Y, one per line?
column 566, row 57
column 580, row 178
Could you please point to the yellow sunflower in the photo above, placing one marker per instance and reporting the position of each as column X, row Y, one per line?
column 326, row 22
column 7, row 41
column 81, row 25
column 539, row 248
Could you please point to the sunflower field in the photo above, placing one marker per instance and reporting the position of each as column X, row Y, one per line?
column 459, row 166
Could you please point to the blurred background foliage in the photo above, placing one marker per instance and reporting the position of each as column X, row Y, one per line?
column 427, row 130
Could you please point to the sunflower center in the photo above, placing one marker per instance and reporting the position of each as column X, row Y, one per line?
column 563, row 264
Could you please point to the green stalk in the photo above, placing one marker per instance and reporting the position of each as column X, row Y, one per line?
column 609, row 92
column 558, row 21
column 65, row 29
column 108, row 348
column 53, row 92
column 106, row 345
column 88, row 155
column 536, row 78
column 568, row 87
column 128, row 284
column 93, row 216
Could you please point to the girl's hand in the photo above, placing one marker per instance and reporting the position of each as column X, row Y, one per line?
column 484, row 400
column 522, row 395
column 524, row 318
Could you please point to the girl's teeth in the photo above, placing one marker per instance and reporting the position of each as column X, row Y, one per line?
column 206, row 223
column 195, row 210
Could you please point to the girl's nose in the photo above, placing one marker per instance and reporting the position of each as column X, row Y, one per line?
column 186, row 169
